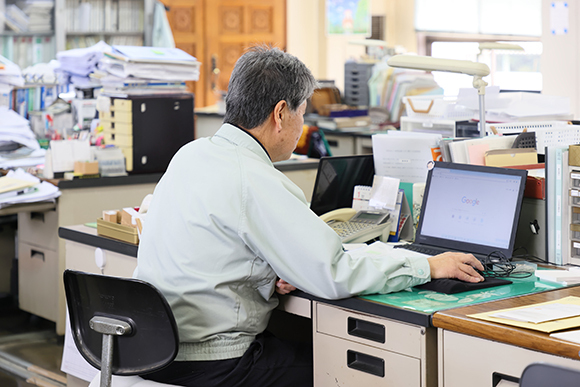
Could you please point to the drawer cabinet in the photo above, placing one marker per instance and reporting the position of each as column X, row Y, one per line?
column 38, row 270
column 39, row 229
column 355, row 349
column 484, row 362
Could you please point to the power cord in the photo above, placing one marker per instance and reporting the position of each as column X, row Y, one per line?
column 497, row 265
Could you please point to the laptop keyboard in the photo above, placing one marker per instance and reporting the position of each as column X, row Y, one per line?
column 420, row 249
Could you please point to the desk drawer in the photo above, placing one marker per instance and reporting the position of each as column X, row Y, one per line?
column 38, row 278
column 377, row 332
column 340, row 145
column 122, row 104
column 117, row 127
column 118, row 139
column 39, row 229
column 117, row 116
column 339, row 362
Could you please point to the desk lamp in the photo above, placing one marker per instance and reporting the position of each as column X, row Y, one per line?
column 428, row 63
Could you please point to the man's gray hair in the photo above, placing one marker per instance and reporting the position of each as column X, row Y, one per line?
column 261, row 78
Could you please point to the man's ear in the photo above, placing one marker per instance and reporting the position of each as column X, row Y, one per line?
column 280, row 109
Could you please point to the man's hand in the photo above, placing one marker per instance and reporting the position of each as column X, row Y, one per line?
column 283, row 287
column 456, row 265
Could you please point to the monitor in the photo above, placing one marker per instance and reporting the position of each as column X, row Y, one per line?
column 335, row 181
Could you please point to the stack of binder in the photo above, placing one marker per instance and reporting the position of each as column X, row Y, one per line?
column 133, row 70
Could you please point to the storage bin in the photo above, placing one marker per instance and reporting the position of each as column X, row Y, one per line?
column 436, row 107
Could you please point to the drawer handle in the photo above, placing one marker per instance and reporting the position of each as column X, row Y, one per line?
column 37, row 254
column 366, row 330
column 37, row 216
column 497, row 377
column 365, row 363
column 332, row 143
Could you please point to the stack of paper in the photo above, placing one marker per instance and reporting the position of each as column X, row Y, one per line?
column 405, row 155
column 15, row 129
column 548, row 317
column 513, row 107
column 31, row 189
column 80, row 62
column 150, row 63
column 10, row 74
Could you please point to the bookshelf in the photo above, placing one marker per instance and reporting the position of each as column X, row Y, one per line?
column 27, row 31
column 82, row 23
column 64, row 24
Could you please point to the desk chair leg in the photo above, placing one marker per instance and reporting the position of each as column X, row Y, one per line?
column 109, row 327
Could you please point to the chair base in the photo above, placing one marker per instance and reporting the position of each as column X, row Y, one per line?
column 128, row 381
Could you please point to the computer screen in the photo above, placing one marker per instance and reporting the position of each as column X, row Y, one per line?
column 467, row 205
column 335, row 181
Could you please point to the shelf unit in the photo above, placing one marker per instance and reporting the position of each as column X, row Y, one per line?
column 81, row 23
column 26, row 48
column 73, row 25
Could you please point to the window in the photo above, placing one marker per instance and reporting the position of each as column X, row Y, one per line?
column 511, row 70
column 444, row 34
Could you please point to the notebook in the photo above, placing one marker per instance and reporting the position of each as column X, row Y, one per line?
column 335, row 181
column 470, row 208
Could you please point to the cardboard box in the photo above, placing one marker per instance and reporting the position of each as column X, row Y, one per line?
column 127, row 215
column 117, row 231
column 112, row 216
column 86, row 167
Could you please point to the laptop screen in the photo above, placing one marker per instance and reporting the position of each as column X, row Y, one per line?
column 335, row 181
column 471, row 208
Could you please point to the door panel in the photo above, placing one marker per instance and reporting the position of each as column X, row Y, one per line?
column 186, row 18
column 217, row 32
column 234, row 25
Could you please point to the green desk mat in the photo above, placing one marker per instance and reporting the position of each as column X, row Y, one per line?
column 428, row 301
column 91, row 224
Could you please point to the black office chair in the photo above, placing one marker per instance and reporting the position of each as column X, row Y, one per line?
column 121, row 326
column 544, row 374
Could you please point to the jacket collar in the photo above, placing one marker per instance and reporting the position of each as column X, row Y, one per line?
column 243, row 138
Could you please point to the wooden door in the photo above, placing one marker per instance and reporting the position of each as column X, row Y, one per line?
column 234, row 25
column 217, row 32
column 186, row 18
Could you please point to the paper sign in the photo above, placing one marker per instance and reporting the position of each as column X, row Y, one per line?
column 384, row 192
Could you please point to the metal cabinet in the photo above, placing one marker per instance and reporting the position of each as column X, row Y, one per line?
column 356, row 349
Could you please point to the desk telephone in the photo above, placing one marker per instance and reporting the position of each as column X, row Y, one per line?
column 358, row 227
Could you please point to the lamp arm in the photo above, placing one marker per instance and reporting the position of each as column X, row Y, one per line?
column 480, row 84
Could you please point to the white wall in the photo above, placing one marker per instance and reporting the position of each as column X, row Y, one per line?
column 325, row 54
column 560, row 64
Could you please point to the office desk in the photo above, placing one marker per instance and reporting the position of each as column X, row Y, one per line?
column 41, row 255
column 471, row 350
column 356, row 340
column 349, row 142
column 341, row 142
column 349, row 336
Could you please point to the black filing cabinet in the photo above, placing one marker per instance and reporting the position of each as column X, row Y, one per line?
column 149, row 129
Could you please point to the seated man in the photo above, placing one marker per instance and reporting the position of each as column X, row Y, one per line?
column 224, row 224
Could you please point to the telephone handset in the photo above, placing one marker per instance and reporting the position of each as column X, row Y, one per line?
column 358, row 227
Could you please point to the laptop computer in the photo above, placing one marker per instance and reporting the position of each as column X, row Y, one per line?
column 470, row 208
column 335, row 181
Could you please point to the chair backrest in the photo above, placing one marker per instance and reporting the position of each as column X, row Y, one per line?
column 544, row 374
column 153, row 342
